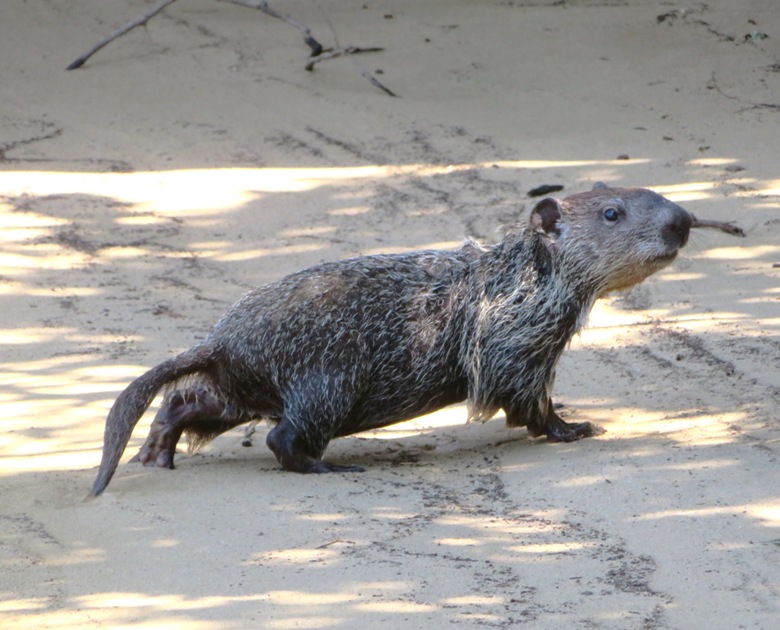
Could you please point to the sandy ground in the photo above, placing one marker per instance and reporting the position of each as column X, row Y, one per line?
column 194, row 159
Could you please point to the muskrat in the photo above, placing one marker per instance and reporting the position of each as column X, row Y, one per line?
column 362, row 343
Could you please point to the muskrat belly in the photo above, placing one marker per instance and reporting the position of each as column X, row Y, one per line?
column 377, row 411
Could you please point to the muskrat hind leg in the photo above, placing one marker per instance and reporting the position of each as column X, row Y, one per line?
column 296, row 454
column 197, row 411
column 317, row 406
column 558, row 430
column 541, row 420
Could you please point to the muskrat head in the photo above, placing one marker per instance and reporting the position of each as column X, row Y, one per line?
column 612, row 238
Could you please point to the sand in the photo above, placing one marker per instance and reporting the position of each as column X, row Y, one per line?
column 194, row 159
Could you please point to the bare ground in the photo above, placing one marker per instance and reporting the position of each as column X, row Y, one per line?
column 196, row 158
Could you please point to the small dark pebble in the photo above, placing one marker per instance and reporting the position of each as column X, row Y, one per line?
column 671, row 15
column 735, row 168
column 623, row 156
column 544, row 189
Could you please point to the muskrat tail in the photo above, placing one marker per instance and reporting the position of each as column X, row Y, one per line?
column 131, row 404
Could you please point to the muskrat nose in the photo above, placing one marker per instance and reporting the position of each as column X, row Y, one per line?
column 677, row 228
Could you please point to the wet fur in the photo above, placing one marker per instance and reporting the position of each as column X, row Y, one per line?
column 362, row 343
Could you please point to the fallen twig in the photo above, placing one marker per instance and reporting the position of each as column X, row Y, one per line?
column 374, row 81
column 332, row 542
column 261, row 5
column 138, row 21
column 337, row 52
column 723, row 226
column 318, row 53
column 333, row 53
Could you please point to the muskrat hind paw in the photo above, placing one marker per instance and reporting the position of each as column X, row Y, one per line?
column 152, row 457
column 573, row 431
column 321, row 467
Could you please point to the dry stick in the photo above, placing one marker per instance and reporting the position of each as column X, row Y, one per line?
column 352, row 50
column 318, row 53
column 338, row 52
column 374, row 81
column 261, row 5
column 138, row 21
column 723, row 226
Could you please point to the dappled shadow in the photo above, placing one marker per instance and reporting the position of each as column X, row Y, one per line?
column 92, row 283
column 106, row 274
column 465, row 524
column 196, row 159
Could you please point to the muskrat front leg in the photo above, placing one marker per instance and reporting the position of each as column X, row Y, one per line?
column 195, row 410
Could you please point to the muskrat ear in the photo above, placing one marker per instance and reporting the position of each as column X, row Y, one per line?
column 599, row 186
column 545, row 216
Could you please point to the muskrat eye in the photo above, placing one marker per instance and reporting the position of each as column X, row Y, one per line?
column 611, row 214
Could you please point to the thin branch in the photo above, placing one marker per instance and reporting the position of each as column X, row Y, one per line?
column 712, row 84
column 374, row 81
column 261, row 5
column 138, row 21
column 318, row 53
column 338, row 52
column 723, row 226
column 351, row 50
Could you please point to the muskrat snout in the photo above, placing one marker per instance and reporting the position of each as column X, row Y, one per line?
column 677, row 229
